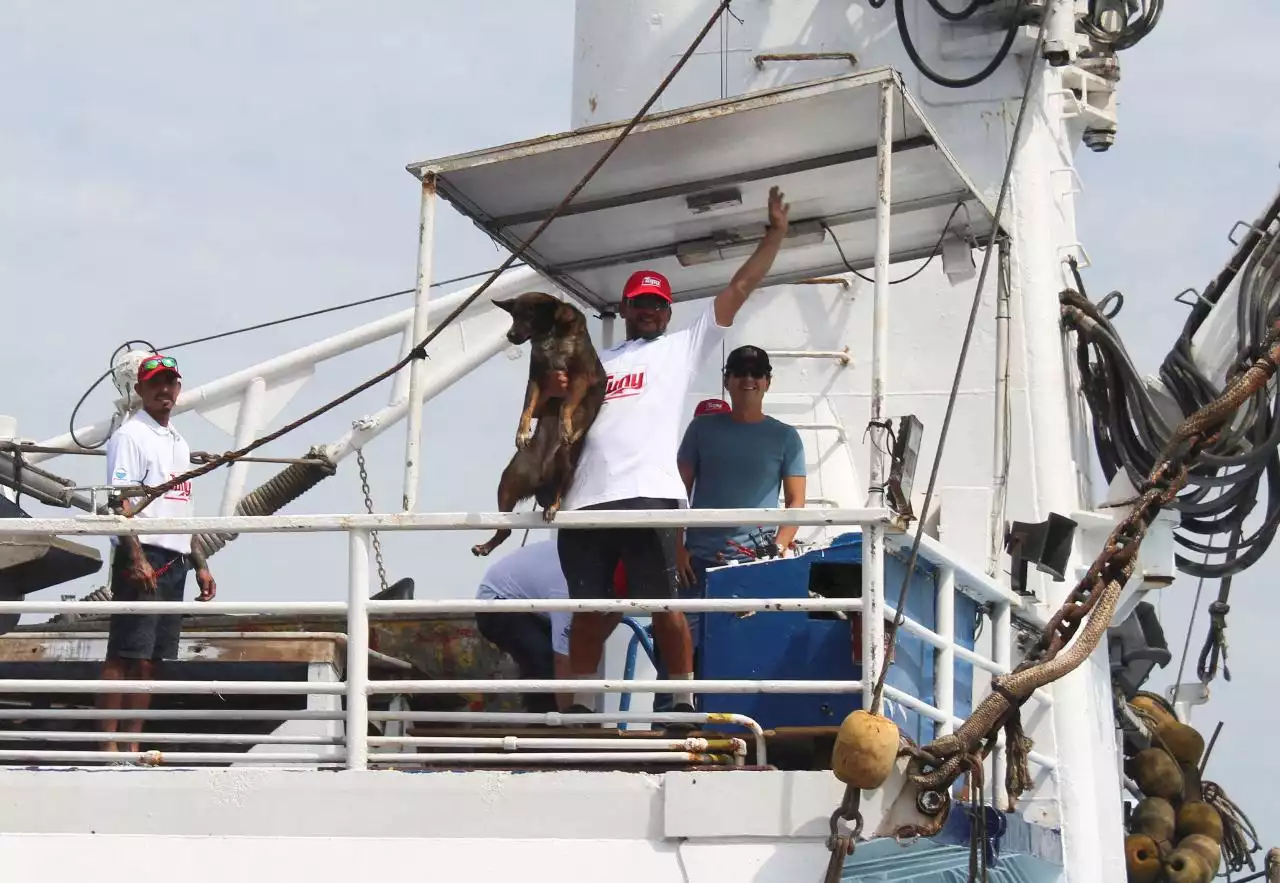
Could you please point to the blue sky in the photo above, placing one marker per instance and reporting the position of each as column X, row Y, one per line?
column 166, row 172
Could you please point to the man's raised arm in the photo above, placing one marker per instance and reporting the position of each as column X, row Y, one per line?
column 752, row 273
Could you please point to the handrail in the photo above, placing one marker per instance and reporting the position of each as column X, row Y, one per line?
column 116, row 525
column 353, row 748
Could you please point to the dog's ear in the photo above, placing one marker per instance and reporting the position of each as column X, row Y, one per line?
column 507, row 305
column 566, row 315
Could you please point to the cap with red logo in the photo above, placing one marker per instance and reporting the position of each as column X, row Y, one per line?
column 711, row 406
column 647, row 282
column 156, row 364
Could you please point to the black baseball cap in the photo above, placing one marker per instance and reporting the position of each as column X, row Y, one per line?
column 747, row 357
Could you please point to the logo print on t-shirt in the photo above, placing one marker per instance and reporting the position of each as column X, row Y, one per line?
column 181, row 493
column 625, row 385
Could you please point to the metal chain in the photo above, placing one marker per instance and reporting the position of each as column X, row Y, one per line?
column 843, row 842
column 368, row 506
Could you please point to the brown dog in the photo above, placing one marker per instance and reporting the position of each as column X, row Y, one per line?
column 546, row 458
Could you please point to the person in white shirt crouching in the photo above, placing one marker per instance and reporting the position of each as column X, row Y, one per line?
column 629, row 459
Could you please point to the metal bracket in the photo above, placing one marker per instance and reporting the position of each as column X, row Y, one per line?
column 806, row 56
column 1181, row 297
column 1231, row 237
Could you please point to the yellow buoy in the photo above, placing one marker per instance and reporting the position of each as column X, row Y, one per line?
column 865, row 750
column 1142, row 859
column 1209, row 850
column 1155, row 818
column 1183, row 742
column 1192, row 788
column 1157, row 774
column 1199, row 818
column 1185, row 866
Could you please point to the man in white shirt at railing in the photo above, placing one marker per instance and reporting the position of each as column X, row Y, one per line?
column 148, row 450
column 629, row 457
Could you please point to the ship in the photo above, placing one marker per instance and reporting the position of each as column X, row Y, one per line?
column 993, row 497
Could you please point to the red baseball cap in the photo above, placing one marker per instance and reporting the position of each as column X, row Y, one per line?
column 157, row 364
column 711, row 406
column 647, row 282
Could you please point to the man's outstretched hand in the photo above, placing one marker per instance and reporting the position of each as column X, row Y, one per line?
column 778, row 210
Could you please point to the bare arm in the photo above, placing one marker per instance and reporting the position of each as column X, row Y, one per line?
column 752, row 273
column 793, row 489
column 684, row 567
column 563, row 672
column 204, row 579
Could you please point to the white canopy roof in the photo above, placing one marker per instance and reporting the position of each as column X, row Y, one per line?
column 685, row 194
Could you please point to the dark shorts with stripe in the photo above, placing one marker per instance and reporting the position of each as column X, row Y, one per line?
column 147, row 636
column 589, row 556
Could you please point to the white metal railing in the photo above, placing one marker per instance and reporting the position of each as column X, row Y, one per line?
column 352, row 748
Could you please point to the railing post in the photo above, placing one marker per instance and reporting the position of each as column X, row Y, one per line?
column 418, row 367
column 357, row 722
column 248, row 421
column 873, row 537
column 1001, row 655
column 944, row 675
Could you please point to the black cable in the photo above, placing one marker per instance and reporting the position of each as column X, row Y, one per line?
column 245, row 330
column 899, row 11
column 914, row 273
column 323, row 311
column 967, row 12
column 1242, row 465
column 101, row 377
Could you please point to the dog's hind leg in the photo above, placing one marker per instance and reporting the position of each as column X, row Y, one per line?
column 510, row 492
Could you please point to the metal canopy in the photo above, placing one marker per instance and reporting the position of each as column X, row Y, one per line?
column 685, row 193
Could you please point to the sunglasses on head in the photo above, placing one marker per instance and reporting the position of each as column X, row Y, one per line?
column 162, row 362
column 754, row 371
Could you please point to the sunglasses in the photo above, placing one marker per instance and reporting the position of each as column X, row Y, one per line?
column 163, row 362
column 755, row 371
column 648, row 302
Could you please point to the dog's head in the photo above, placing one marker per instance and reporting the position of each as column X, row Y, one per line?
column 535, row 315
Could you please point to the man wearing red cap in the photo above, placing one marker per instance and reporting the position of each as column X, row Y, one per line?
column 629, row 458
column 147, row 450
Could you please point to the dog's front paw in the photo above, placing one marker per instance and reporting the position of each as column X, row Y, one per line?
column 523, row 437
column 549, row 513
column 480, row 550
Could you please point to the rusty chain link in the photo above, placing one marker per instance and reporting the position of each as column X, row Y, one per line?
column 843, row 842
column 1093, row 601
column 368, row 505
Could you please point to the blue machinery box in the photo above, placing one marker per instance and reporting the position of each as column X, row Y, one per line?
column 819, row 646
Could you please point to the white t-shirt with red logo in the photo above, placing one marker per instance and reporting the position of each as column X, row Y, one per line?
column 142, row 451
column 630, row 450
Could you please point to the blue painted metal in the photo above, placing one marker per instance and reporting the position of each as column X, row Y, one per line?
column 640, row 637
column 1019, row 852
column 819, row 646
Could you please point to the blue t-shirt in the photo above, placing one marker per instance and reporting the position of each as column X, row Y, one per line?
column 736, row 466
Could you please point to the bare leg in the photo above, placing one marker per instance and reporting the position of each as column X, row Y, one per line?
column 671, row 631
column 509, row 493
column 113, row 669
column 144, row 670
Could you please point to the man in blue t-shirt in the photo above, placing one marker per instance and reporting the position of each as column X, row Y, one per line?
column 742, row 459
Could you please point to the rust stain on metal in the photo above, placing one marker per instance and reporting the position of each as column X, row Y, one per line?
column 824, row 280
column 806, row 56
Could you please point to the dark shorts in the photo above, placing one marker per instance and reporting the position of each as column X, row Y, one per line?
column 145, row 636
column 589, row 557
